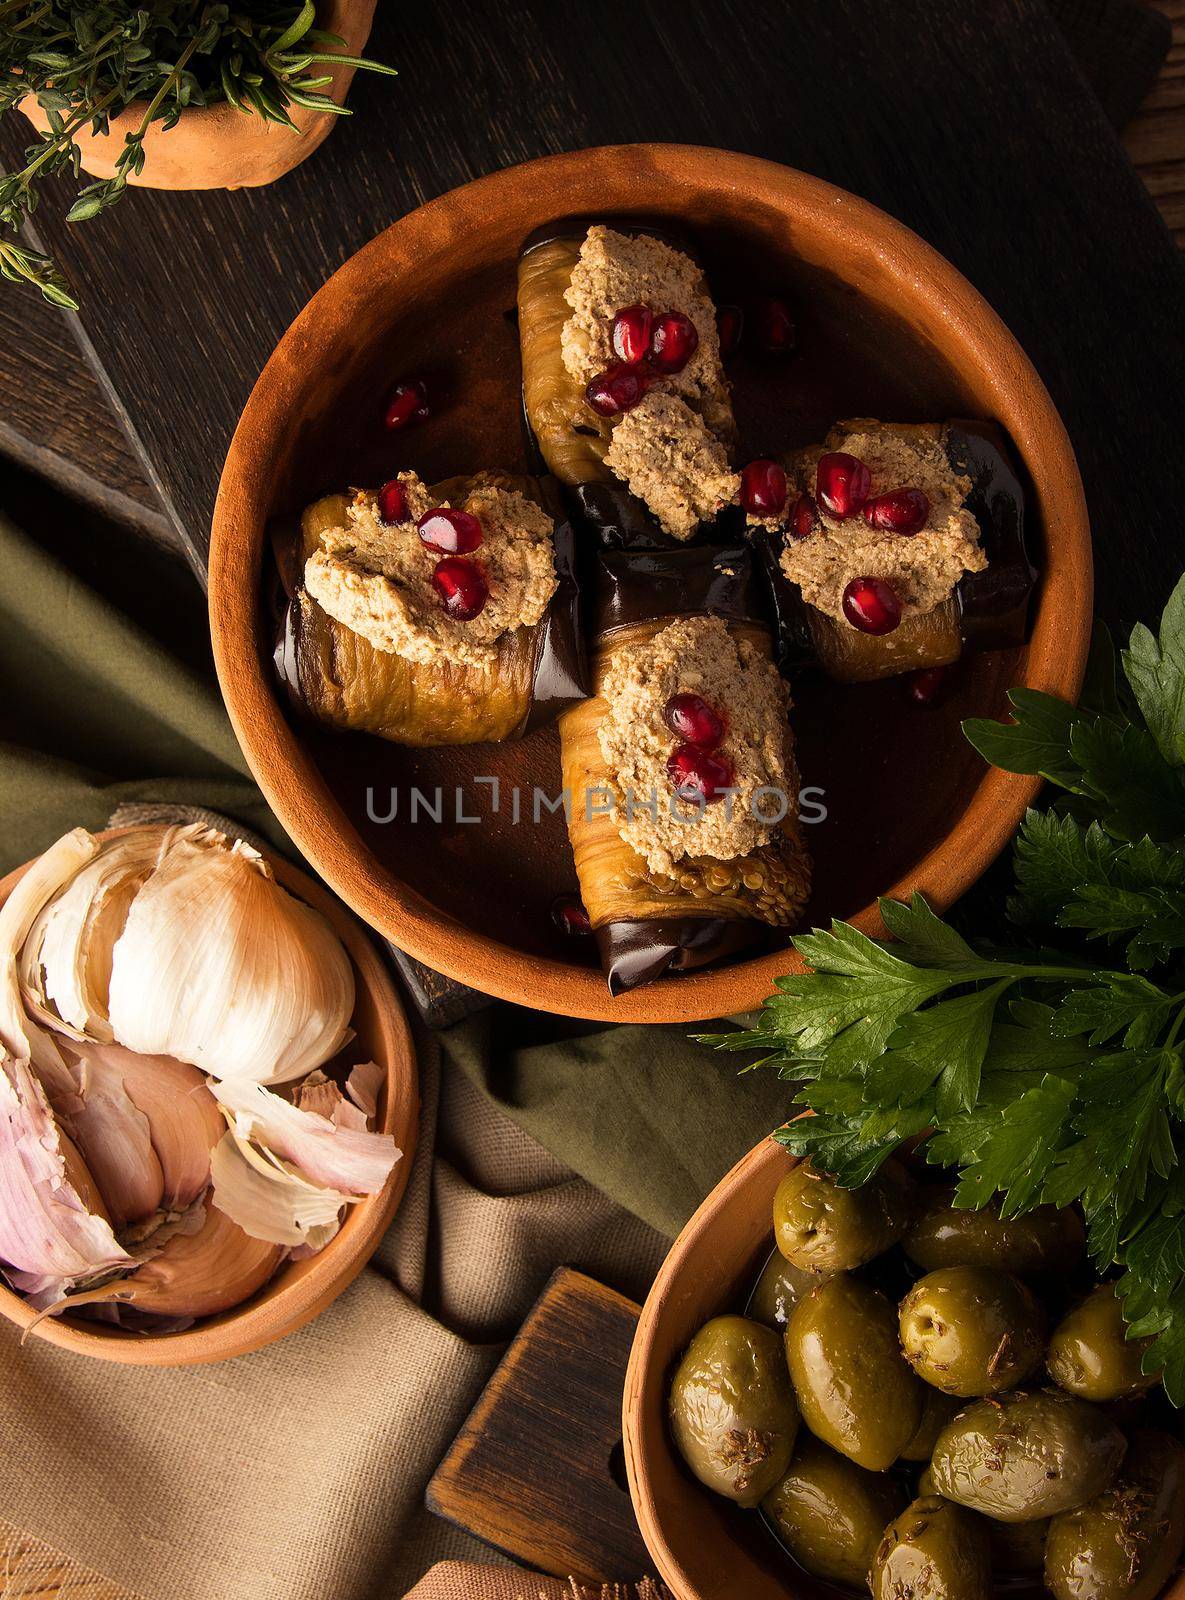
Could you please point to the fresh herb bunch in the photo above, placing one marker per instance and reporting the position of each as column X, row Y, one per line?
column 86, row 63
column 1045, row 1076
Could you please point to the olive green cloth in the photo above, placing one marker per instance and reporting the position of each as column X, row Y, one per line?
column 300, row 1471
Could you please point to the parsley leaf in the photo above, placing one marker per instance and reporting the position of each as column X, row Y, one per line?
column 1041, row 1076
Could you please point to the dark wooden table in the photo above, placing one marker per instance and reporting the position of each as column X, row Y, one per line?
column 971, row 123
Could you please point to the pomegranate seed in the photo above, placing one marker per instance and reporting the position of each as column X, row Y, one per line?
column 730, row 324
column 407, row 402
column 842, row 483
column 871, row 605
column 462, row 587
column 570, row 917
column 693, row 719
column 763, row 489
column 631, row 334
column 673, row 342
column 695, row 773
column 901, row 511
column 392, row 502
column 616, row 390
column 925, row 686
column 449, row 532
column 804, row 517
column 776, row 333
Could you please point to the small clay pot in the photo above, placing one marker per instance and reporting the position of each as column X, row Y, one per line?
column 217, row 147
column 301, row 1289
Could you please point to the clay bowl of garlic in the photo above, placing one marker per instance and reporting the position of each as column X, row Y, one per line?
column 209, row 1094
column 887, row 328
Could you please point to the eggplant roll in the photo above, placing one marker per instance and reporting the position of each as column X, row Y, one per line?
column 624, row 394
column 353, row 652
column 939, row 520
column 680, row 771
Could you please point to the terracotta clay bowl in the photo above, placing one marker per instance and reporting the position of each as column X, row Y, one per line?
column 704, row 1547
column 217, row 147
column 301, row 1289
column 886, row 328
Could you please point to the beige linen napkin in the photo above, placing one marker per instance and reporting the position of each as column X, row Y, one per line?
column 458, row 1580
column 299, row 1472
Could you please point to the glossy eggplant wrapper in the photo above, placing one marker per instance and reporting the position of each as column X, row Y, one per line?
column 988, row 610
column 336, row 676
column 648, row 923
column 565, row 436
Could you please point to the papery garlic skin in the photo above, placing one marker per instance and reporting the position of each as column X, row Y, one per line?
column 19, row 1034
column 50, row 1227
column 221, row 967
column 269, row 1200
column 65, row 965
column 333, row 1154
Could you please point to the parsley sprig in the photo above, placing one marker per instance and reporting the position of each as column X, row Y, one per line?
column 1042, row 1075
column 86, row 63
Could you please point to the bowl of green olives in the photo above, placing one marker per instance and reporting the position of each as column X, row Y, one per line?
column 843, row 1391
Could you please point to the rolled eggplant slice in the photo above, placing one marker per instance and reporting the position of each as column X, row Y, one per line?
column 667, row 473
column 985, row 609
column 653, row 916
column 337, row 676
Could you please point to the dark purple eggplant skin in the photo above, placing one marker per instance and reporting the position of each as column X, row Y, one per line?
column 636, row 953
column 993, row 604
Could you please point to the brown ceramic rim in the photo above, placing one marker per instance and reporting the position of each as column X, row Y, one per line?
column 301, row 1290
column 643, row 1411
column 605, row 179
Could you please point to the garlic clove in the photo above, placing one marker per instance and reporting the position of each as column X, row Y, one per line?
column 219, row 966
column 18, row 1033
column 66, row 960
column 269, row 1200
column 115, row 1138
column 182, row 1116
column 195, row 1274
column 50, row 1224
column 333, row 1154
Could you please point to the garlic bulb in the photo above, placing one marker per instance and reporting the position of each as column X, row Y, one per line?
column 219, row 966
column 176, row 942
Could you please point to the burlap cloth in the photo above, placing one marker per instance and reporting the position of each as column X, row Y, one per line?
column 298, row 1473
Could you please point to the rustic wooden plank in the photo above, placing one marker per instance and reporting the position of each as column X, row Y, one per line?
column 1042, row 177
column 58, row 420
column 1155, row 137
column 538, row 1470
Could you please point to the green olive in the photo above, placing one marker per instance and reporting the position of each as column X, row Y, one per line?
column 1089, row 1355
column 732, row 1409
column 972, row 1330
column 778, row 1290
column 1124, row 1545
column 1023, row 1456
column 1017, row 1546
column 937, row 1410
column 933, row 1551
column 1044, row 1241
column 926, row 1483
column 822, row 1228
column 830, row 1513
column 855, row 1391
